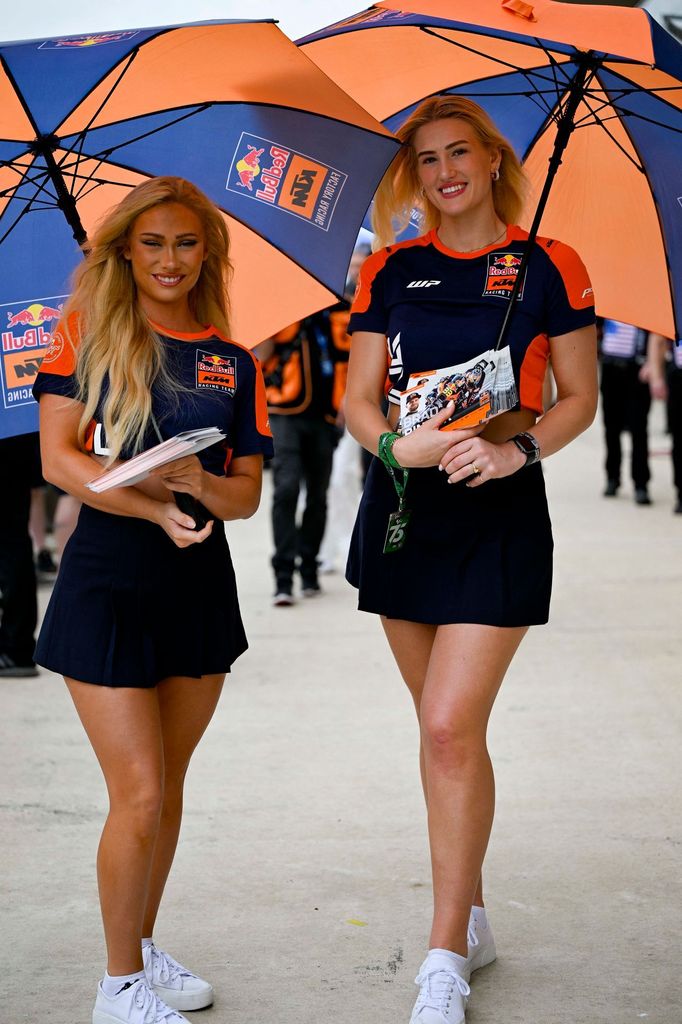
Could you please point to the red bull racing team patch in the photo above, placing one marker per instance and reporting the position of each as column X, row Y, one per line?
column 26, row 334
column 272, row 173
column 502, row 271
column 217, row 373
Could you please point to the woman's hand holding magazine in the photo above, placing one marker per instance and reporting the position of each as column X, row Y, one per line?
column 428, row 445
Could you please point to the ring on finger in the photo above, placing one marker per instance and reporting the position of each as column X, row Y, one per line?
column 475, row 471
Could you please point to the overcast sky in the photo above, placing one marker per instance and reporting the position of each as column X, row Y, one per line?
column 69, row 17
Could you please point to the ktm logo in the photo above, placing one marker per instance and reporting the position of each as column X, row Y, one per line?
column 422, row 284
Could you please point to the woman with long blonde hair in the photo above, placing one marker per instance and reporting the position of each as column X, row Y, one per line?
column 144, row 619
column 453, row 544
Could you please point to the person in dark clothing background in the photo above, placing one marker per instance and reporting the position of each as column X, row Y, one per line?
column 303, row 378
column 20, row 469
column 626, row 401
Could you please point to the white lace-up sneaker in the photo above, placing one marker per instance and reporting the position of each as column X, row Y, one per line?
column 443, row 992
column 134, row 1004
column 171, row 981
column 481, row 946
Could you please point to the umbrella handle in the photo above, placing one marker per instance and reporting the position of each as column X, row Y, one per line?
column 587, row 62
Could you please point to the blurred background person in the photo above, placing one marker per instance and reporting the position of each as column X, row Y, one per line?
column 20, row 471
column 664, row 372
column 626, row 401
column 299, row 364
column 347, row 476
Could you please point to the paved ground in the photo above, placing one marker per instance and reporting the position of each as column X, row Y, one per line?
column 301, row 887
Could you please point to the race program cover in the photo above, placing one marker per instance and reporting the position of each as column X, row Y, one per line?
column 481, row 388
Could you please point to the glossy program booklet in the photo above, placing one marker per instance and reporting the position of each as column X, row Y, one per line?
column 189, row 442
column 480, row 388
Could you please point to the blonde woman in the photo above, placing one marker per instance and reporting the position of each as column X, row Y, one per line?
column 478, row 538
column 144, row 619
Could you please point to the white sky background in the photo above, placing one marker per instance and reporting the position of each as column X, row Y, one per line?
column 76, row 17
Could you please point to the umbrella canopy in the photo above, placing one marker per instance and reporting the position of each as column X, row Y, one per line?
column 609, row 77
column 233, row 106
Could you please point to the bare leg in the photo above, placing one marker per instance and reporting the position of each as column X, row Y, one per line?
column 64, row 522
column 411, row 644
column 124, row 728
column 186, row 707
column 467, row 665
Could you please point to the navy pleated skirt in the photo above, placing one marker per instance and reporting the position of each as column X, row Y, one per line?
column 481, row 554
column 129, row 608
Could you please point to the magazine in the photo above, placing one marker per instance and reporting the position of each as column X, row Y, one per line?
column 480, row 388
column 189, row 442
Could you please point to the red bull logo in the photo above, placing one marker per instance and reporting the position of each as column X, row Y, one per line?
column 281, row 176
column 80, row 42
column 26, row 333
column 217, row 373
column 503, row 269
column 248, row 167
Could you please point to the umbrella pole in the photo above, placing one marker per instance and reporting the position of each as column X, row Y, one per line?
column 45, row 146
column 586, row 64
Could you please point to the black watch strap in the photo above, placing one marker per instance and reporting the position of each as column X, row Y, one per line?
column 528, row 445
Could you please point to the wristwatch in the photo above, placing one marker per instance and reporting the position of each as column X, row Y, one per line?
column 527, row 444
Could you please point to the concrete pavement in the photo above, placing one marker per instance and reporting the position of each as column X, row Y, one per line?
column 301, row 887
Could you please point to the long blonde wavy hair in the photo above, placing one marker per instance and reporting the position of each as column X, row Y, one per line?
column 399, row 191
column 117, row 343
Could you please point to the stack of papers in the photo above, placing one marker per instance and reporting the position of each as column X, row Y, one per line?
column 189, row 442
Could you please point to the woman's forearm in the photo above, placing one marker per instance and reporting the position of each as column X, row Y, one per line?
column 71, row 470
column 366, row 422
column 564, row 422
column 230, row 497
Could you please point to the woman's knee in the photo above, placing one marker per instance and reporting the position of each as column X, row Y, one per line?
column 452, row 740
column 140, row 798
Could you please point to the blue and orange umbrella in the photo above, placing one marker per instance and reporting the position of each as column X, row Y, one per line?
column 290, row 159
column 591, row 98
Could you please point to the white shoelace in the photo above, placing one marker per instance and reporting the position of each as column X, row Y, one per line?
column 437, row 986
column 165, row 969
column 155, row 1010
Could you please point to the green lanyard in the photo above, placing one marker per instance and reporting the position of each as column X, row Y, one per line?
column 397, row 521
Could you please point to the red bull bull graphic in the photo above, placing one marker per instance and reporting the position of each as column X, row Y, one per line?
column 79, row 42
column 26, row 334
column 502, row 271
column 280, row 176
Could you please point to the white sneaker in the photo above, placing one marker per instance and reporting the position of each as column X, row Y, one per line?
column 443, row 992
column 177, row 986
column 134, row 1004
column 481, row 946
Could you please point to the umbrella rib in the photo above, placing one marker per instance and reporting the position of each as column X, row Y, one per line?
column 106, row 153
column 561, row 87
column 600, row 122
column 82, row 135
column 496, row 60
column 634, row 90
column 22, row 213
column 652, row 192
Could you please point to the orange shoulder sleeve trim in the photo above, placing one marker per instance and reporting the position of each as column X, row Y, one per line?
column 573, row 273
column 368, row 272
column 62, row 353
